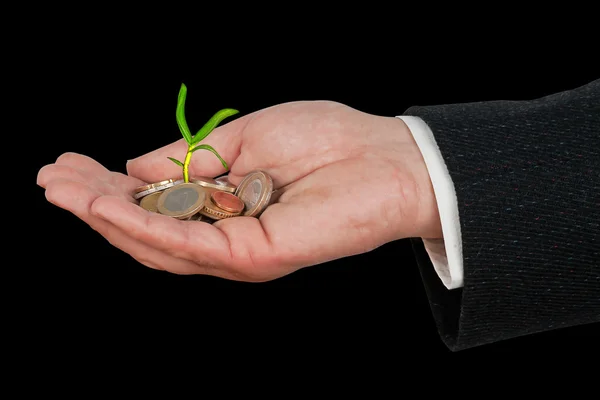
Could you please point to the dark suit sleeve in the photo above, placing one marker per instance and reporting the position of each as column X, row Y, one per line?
column 527, row 180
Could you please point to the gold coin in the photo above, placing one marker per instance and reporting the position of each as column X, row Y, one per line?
column 255, row 191
column 150, row 202
column 182, row 201
column 211, row 183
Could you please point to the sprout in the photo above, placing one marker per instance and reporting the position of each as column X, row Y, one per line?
column 193, row 141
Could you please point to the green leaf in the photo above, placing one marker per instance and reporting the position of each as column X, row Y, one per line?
column 209, row 148
column 212, row 124
column 176, row 161
column 180, row 115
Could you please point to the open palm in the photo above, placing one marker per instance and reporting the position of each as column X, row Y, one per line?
column 349, row 182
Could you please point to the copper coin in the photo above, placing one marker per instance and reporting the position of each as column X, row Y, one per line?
column 213, row 212
column 255, row 191
column 227, row 201
column 182, row 201
column 150, row 202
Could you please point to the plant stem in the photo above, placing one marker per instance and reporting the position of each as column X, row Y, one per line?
column 186, row 164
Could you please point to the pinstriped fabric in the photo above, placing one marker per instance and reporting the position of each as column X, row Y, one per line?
column 527, row 179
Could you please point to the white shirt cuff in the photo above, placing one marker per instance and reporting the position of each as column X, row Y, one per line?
column 445, row 254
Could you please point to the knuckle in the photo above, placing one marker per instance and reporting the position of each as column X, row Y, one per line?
column 67, row 158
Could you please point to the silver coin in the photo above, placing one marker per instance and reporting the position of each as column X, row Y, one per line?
column 205, row 181
column 181, row 201
column 203, row 218
column 211, row 183
column 226, row 185
column 255, row 191
column 193, row 217
column 146, row 190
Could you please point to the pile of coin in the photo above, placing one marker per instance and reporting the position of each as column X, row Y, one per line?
column 207, row 199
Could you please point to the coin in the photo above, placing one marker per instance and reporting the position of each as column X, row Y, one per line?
column 228, row 186
column 155, row 185
column 227, row 201
column 213, row 212
column 182, row 201
column 193, row 217
column 255, row 191
column 201, row 218
column 150, row 202
column 145, row 190
column 211, row 183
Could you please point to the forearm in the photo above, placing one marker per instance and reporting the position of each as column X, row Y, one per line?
column 527, row 181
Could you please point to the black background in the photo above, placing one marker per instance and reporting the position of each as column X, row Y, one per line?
column 114, row 99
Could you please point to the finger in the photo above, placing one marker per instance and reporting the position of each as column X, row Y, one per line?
column 78, row 198
column 240, row 251
column 226, row 140
column 81, row 162
column 51, row 172
column 89, row 167
column 115, row 184
column 181, row 239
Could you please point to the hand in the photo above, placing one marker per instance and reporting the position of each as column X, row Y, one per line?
column 350, row 182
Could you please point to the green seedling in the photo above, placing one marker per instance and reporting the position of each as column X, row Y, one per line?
column 193, row 141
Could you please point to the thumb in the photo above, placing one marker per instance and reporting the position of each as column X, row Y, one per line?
column 155, row 165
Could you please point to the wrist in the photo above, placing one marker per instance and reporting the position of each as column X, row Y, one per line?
column 420, row 216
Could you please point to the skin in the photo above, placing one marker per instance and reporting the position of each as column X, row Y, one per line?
column 349, row 183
